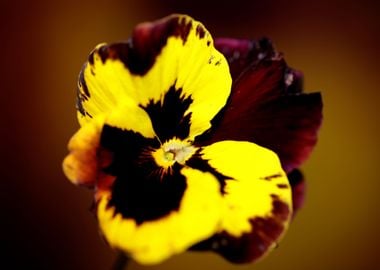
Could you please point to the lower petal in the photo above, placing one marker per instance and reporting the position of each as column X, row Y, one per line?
column 257, row 200
column 153, row 241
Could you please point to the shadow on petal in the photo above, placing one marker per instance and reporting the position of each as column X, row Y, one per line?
column 298, row 185
column 252, row 246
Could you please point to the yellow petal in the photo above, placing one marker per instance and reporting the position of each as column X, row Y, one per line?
column 176, row 55
column 154, row 241
column 258, row 193
column 127, row 116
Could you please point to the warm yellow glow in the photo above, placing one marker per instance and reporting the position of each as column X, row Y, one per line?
column 248, row 194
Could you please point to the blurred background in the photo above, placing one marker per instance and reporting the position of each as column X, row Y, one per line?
column 45, row 220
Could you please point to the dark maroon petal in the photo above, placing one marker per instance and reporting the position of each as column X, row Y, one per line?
column 241, row 53
column 253, row 245
column 289, row 126
column 261, row 110
column 298, row 185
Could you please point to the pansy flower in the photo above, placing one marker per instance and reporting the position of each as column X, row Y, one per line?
column 187, row 142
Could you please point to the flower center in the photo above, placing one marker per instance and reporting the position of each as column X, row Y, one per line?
column 173, row 151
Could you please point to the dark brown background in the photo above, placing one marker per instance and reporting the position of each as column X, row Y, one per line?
column 45, row 222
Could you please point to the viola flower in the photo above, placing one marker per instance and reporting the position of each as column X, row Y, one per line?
column 187, row 142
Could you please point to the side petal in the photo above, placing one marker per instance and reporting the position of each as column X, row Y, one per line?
column 242, row 53
column 81, row 166
column 257, row 200
column 260, row 111
column 289, row 126
column 153, row 241
column 169, row 67
column 88, row 158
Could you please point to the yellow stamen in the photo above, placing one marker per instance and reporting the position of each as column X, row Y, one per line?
column 173, row 151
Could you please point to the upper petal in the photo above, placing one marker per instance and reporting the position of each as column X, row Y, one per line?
column 257, row 199
column 242, row 53
column 169, row 67
column 264, row 109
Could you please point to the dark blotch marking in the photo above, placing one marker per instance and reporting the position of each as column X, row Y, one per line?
column 79, row 103
column 270, row 177
column 141, row 190
column 84, row 94
column 196, row 162
column 274, row 196
column 169, row 119
column 126, row 147
column 284, row 186
column 183, row 30
column 200, row 31
column 91, row 57
column 250, row 246
column 82, row 82
column 139, row 53
column 208, row 43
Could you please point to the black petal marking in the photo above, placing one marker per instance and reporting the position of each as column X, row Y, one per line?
column 140, row 52
column 196, row 162
column 82, row 82
column 83, row 94
column 253, row 245
column 91, row 57
column 270, row 177
column 200, row 31
column 168, row 118
column 284, row 186
column 142, row 190
column 79, row 104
